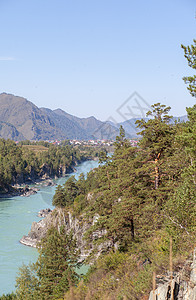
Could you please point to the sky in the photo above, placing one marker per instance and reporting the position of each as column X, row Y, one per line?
column 104, row 58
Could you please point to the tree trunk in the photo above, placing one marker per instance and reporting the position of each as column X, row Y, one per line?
column 157, row 176
column 132, row 229
column 108, row 176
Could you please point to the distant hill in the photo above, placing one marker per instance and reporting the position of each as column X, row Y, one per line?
column 131, row 130
column 27, row 119
column 89, row 125
column 20, row 119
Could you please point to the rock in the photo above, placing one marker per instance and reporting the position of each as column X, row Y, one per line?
column 183, row 288
column 62, row 170
column 77, row 226
column 193, row 272
column 44, row 212
column 28, row 241
column 26, row 191
column 49, row 182
column 163, row 291
column 37, row 232
column 44, row 171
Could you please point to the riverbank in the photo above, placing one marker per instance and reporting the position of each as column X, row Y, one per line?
column 20, row 191
column 17, row 215
column 38, row 230
column 28, row 187
column 24, row 190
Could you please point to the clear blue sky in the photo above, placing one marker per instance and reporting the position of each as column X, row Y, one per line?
column 88, row 56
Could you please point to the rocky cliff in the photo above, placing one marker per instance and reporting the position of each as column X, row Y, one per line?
column 77, row 225
column 181, row 287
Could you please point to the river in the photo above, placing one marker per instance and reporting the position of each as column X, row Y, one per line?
column 16, row 217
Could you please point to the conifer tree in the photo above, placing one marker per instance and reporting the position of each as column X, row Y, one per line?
column 53, row 273
column 190, row 55
column 59, row 197
column 56, row 263
column 156, row 142
column 27, row 283
column 188, row 140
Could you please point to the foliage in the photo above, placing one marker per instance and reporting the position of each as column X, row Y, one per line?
column 56, row 262
column 27, row 282
column 28, row 161
column 136, row 200
column 53, row 273
column 141, row 196
column 11, row 296
column 190, row 55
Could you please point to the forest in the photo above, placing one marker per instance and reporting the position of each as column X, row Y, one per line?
column 143, row 198
column 28, row 161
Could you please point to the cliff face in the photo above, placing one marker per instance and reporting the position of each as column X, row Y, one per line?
column 183, row 285
column 78, row 227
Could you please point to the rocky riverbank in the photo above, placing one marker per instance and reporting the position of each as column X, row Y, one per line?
column 20, row 183
column 38, row 230
column 44, row 212
column 77, row 226
column 23, row 191
column 26, row 190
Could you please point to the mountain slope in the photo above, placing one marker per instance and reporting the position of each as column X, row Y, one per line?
column 27, row 118
column 20, row 119
column 9, row 131
column 93, row 128
column 69, row 128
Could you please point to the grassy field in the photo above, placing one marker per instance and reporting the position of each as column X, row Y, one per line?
column 35, row 148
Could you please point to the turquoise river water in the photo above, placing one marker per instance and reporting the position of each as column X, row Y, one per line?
column 16, row 217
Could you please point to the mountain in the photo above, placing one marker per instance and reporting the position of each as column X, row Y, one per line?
column 28, row 121
column 20, row 119
column 89, row 124
column 9, row 131
column 130, row 127
column 69, row 128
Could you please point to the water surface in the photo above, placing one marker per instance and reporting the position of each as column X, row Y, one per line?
column 16, row 217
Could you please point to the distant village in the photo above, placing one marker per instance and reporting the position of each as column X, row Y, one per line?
column 92, row 142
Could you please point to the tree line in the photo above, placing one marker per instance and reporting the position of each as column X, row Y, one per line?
column 28, row 160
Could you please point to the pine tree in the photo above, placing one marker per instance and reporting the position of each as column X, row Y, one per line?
column 27, row 283
column 56, row 263
column 59, row 199
column 156, row 142
column 190, row 55
column 188, row 140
